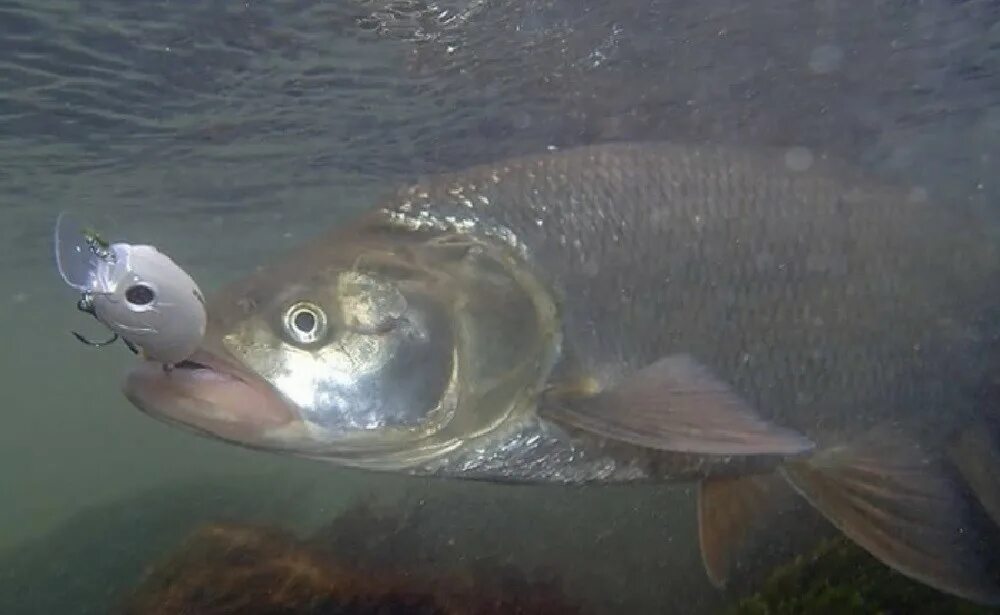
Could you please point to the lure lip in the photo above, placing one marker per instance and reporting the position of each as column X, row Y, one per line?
column 82, row 256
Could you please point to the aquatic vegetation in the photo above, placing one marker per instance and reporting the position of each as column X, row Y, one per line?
column 230, row 568
column 400, row 557
column 839, row 577
column 86, row 564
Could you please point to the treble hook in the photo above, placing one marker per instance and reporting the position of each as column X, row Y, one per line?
column 113, row 339
column 86, row 305
column 131, row 346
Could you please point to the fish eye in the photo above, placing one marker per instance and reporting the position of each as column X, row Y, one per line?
column 305, row 323
column 139, row 294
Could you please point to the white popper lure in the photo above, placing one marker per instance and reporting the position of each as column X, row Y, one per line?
column 135, row 290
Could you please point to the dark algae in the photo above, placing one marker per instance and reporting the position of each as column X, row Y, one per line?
column 839, row 577
column 254, row 569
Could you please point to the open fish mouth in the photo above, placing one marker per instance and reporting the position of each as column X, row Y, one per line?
column 189, row 364
column 211, row 395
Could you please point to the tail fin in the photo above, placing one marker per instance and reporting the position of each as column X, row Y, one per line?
column 890, row 497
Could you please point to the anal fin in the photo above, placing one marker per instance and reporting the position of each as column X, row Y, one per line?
column 887, row 494
column 976, row 453
column 729, row 509
column 676, row 404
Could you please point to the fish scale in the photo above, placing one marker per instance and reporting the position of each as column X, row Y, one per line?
column 734, row 256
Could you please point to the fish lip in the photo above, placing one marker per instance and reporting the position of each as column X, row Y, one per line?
column 208, row 389
column 202, row 365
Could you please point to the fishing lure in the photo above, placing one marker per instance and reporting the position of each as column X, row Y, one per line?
column 136, row 291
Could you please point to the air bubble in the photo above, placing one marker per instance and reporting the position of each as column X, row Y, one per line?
column 798, row 159
column 825, row 59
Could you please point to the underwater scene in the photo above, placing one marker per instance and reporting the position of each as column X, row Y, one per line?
column 500, row 307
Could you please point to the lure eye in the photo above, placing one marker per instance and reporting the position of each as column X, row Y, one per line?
column 140, row 295
column 305, row 323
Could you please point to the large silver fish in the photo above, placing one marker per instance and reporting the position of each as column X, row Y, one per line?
column 626, row 313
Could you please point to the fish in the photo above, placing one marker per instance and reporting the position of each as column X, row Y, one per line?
column 974, row 452
column 632, row 312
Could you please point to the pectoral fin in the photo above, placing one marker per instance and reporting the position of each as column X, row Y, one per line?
column 676, row 404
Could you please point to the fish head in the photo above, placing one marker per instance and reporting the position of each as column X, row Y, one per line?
column 376, row 347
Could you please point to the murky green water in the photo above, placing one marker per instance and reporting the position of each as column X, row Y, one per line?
column 226, row 132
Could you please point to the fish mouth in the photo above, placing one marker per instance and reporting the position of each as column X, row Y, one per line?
column 189, row 364
column 210, row 395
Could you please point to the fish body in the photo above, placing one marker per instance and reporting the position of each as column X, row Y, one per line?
column 818, row 294
column 626, row 313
